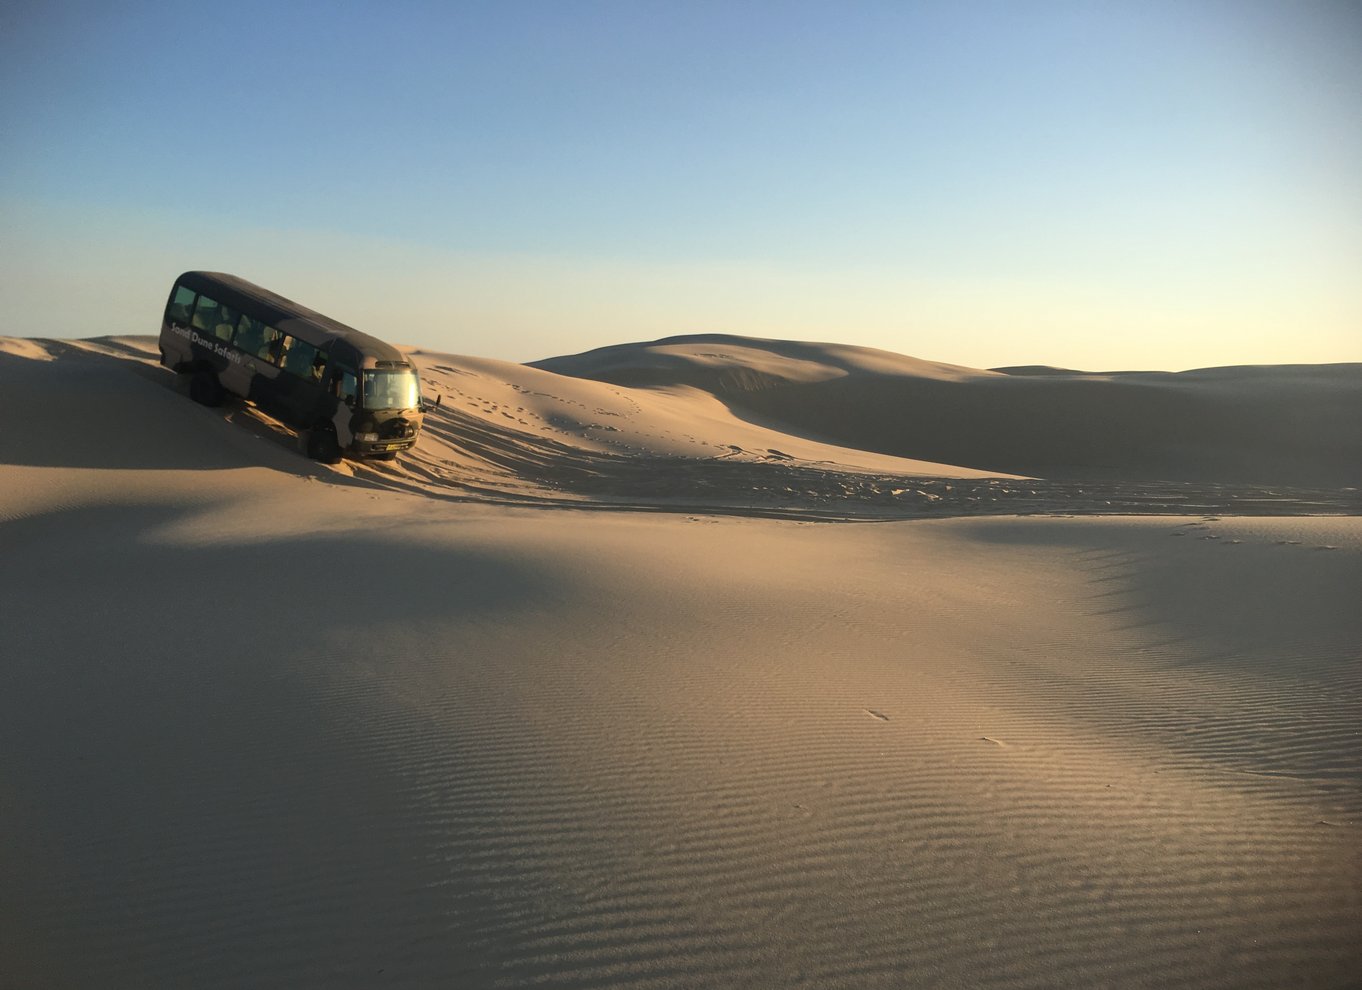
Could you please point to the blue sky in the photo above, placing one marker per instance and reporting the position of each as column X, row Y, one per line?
column 1098, row 185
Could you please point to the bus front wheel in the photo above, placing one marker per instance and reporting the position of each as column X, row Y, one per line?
column 322, row 445
column 205, row 389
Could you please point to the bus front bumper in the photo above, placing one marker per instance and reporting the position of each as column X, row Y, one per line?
column 368, row 448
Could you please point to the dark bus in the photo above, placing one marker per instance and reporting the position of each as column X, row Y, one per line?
column 347, row 393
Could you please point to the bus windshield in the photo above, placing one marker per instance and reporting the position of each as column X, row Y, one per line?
column 391, row 390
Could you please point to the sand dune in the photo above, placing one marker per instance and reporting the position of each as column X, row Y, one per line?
column 515, row 434
column 1268, row 425
column 462, row 721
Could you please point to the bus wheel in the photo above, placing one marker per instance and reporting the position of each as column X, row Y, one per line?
column 322, row 445
column 389, row 456
column 205, row 389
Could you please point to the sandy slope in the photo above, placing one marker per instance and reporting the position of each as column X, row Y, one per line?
column 266, row 723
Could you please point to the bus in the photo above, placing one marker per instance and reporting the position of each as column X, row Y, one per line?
column 346, row 393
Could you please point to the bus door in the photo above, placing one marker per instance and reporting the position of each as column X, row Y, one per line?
column 343, row 389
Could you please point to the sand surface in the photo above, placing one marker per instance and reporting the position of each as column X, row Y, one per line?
column 619, row 681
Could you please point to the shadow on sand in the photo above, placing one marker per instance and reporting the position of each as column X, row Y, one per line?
column 241, row 759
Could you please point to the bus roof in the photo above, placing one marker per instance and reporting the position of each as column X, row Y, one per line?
column 292, row 318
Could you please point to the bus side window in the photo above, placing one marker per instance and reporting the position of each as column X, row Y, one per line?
column 273, row 345
column 249, row 335
column 181, row 305
column 298, row 357
column 227, row 319
column 205, row 315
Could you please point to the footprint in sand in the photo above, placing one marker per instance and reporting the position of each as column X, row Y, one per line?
column 876, row 714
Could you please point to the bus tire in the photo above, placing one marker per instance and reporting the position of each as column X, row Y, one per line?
column 322, row 445
column 390, row 455
column 205, row 389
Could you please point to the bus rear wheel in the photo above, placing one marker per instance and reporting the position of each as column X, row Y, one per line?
column 323, row 446
column 205, row 389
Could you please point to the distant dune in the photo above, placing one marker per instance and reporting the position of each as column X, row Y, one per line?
column 660, row 679
column 1298, row 424
column 1036, row 369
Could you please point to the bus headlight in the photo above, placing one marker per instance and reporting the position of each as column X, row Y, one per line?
column 367, row 437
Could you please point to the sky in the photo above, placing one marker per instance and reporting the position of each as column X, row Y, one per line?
column 1100, row 185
